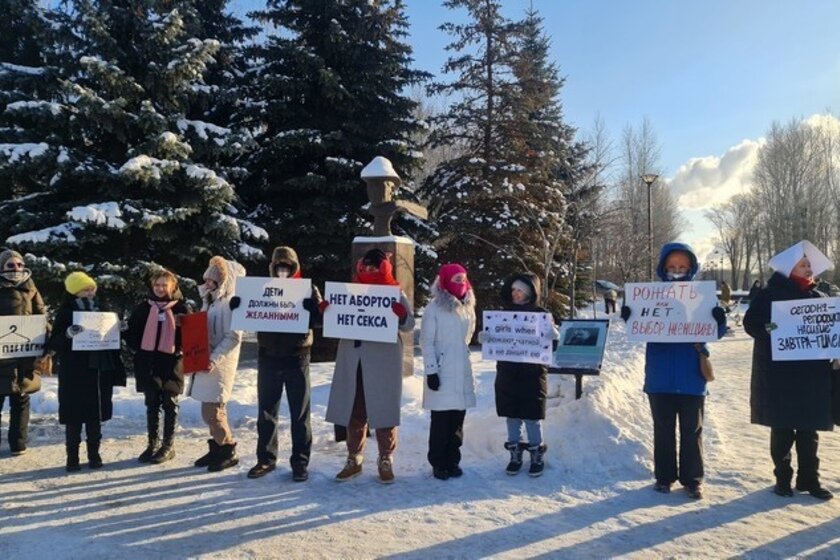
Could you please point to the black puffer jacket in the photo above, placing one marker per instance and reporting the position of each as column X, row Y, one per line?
column 789, row 394
column 18, row 299
column 521, row 389
column 154, row 369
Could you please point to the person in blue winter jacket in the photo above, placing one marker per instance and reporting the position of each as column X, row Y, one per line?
column 676, row 388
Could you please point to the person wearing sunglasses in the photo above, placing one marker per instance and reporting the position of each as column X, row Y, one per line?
column 18, row 296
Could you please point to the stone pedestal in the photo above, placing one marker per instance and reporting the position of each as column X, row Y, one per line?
column 402, row 258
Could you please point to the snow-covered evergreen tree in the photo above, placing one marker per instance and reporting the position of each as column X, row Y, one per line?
column 329, row 94
column 126, row 194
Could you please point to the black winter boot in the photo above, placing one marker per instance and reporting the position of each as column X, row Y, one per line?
column 165, row 453
column 167, row 450
column 208, row 457
column 72, row 440
column 537, row 464
column 94, row 459
column 152, row 428
column 73, row 458
column 225, row 459
column 516, row 450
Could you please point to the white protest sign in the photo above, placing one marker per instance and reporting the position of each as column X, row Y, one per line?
column 515, row 336
column 22, row 336
column 671, row 311
column 361, row 311
column 805, row 329
column 101, row 331
column 271, row 305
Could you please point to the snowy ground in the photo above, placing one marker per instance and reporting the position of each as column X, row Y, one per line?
column 594, row 500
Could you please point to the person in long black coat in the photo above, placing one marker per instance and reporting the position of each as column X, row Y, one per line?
column 18, row 296
column 521, row 389
column 793, row 398
column 85, row 378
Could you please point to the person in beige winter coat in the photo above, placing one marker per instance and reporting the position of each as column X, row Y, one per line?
column 367, row 384
column 214, row 387
column 448, row 326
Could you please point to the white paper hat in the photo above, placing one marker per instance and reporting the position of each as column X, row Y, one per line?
column 787, row 259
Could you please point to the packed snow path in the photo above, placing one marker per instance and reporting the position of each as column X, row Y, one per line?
column 594, row 500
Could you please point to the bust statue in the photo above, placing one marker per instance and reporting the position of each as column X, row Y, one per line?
column 381, row 180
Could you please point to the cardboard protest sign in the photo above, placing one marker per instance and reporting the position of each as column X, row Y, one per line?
column 22, row 336
column 581, row 346
column 101, row 331
column 805, row 329
column 361, row 311
column 515, row 336
column 671, row 311
column 271, row 305
column 195, row 342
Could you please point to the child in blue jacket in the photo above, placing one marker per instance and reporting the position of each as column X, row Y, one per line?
column 676, row 388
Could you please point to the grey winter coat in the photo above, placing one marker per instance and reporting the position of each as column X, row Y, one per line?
column 381, row 366
column 448, row 325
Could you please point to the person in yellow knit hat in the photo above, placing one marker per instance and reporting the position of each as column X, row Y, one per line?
column 86, row 379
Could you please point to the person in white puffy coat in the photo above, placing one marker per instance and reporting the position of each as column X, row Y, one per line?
column 214, row 387
column 448, row 325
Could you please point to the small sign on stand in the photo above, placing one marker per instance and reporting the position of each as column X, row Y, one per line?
column 580, row 350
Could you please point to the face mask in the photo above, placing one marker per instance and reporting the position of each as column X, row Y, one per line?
column 14, row 275
column 457, row 290
column 281, row 272
column 675, row 276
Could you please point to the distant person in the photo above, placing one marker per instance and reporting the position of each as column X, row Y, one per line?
column 448, row 325
column 756, row 287
column 676, row 388
column 725, row 293
column 610, row 296
column 792, row 398
column 18, row 296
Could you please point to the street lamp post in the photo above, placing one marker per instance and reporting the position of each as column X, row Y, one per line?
column 649, row 179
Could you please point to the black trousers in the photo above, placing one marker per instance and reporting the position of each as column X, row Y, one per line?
column 807, row 442
column 93, row 433
column 273, row 374
column 609, row 305
column 446, row 435
column 18, row 420
column 666, row 409
column 157, row 398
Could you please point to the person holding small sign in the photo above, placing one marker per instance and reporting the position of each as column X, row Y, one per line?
column 86, row 378
column 522, row 388
column 676, row 387
column 154, row 335
column 448, row 326
column 283, row 361
column 18, row 296
column 792, row 398
column 214, row 387
column 366, row 388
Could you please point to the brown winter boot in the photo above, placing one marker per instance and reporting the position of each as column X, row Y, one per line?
column 352, row 469
column 386, row 470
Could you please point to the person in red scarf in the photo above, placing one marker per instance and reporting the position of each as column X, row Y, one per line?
column 154, row 335
column 792, row 398
column 367, row 384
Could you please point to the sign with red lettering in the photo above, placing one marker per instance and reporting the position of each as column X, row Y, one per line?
column 805, row 329
column 195, row 342
column 671, row 311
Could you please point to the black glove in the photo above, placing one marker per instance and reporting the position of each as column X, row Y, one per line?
column 625, row 313
column 433, row 381
column 309, row 305
column 720, row 315
column 234, row 302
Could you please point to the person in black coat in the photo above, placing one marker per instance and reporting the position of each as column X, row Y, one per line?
column 793, row 398
column 283, row 361
column 154, row 335
column 18, row 296
column 85, row 378
column 521, row 388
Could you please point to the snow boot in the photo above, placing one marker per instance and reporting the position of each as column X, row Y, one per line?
column 152, row 425
column 455, row 471
column 208, row 457
column 352, row 469
column 440, row 473
column 73, row 458
column 516, row 450
column 386, row 470
column 165, row 453
column 225, row 459
column 167, row 450
column 94, row 458
column 300, row 472
column 537, row 464
column 72, row 441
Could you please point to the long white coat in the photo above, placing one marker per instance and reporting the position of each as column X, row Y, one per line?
column 447, row 328
column 217, row 384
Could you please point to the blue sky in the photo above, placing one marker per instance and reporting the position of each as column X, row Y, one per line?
column 707, row 74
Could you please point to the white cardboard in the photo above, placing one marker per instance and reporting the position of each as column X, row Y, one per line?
column 671, row 311
column 806, row 329
column 515, row 336
column 271, row 304
column 22, row 336
column 361, row 311
column 101, row 331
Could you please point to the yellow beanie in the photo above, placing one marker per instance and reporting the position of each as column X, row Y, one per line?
column 78, row 281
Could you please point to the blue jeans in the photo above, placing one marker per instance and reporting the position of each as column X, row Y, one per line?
column 532, row 427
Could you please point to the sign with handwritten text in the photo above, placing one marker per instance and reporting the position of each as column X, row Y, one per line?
column 515, row 336
column 805, row 329
column 271, row 305
column 101, row 331
column 671, row 311
column 22, row 336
